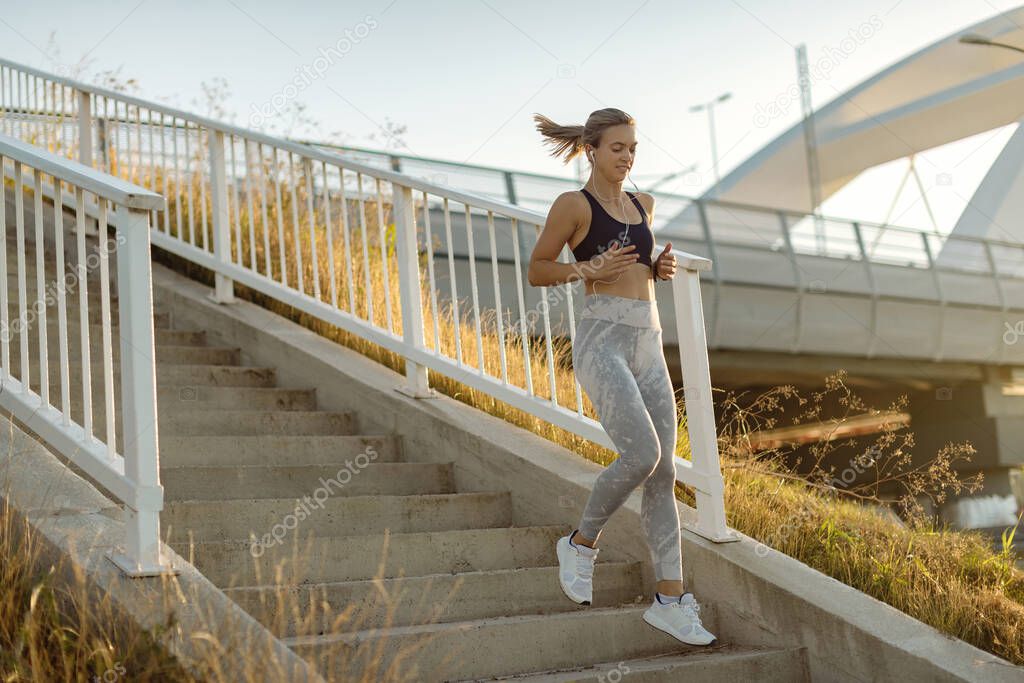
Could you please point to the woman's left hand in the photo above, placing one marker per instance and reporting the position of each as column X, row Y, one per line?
column 665, row 264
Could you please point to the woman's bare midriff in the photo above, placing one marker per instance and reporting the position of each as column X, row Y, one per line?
column 635, row 282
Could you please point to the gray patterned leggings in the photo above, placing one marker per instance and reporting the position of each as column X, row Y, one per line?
column 619, row 361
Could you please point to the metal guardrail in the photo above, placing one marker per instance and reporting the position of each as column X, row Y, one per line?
column 728, row 222
column 278, row 216
column 132, row 476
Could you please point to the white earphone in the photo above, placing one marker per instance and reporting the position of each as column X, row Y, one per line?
column 622, row 205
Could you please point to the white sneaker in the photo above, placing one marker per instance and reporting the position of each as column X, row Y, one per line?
column 576, row 569
column 679, row 619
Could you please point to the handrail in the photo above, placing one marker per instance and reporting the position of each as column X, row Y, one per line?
column 133, row 476
column 661, row 194
column 478, row 201
column 109, row 187
column 314, row 151
column 890, row 245
column 258, row 137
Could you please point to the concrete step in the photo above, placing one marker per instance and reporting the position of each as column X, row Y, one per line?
column 51, row 295
column 166, row 374
column 358, row 477
column 71, row 300
column 249, row 451
column 172, row 398
column 260, row 436
column 496, row 646
column 281, row 556
column 205, row 355
column 95, row 313
column 166, row 355
column 316, row 609
column 70, row 239
column 212, row 374
column 49, row 253
column 70, row 278
column 234, row 398
column 219, row 430
column 162, row 336
column 52, row 285
column 71, row 305
column 708, row 665
column 51, row 281
column 51, row 291
column 339, row 515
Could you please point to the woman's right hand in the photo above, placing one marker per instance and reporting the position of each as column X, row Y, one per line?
column 610, row 263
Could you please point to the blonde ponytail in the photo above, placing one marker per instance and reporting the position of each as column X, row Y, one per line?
column 569, row 141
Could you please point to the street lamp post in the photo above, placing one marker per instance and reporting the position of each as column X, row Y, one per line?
column 710, row 106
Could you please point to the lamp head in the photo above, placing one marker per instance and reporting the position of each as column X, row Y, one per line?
column 974, row 39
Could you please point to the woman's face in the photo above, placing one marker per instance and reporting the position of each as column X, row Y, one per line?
column 616, row 153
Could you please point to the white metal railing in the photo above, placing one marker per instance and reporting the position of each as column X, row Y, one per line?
column 326, row 235
column 728, row 222
column 773, row 248
column 131, row 475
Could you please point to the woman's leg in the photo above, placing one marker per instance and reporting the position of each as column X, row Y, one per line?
column 659, row 513
column 603, row 353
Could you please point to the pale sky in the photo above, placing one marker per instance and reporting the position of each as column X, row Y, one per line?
column 465, row 76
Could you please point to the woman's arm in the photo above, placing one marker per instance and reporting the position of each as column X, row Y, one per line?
column 544, row 269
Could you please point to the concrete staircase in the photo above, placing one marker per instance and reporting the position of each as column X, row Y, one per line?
column 389, row 572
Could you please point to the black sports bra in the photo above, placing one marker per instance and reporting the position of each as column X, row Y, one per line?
column 604, row 230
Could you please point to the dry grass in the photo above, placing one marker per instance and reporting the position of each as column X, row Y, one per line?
column 56, row 626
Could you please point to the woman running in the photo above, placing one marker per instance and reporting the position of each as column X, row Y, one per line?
column 618, row 358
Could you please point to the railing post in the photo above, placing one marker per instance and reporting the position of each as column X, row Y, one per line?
column 513, row 198
column 103, row 143
column 1003, row 304
column 85, row 128
column 85, row 150
column 700, row 412
column 869, row 275
column 224, row 287
column 417, row 383
column 939, row 294
column 510, row 188
column 143, row 555
column 716, row 272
